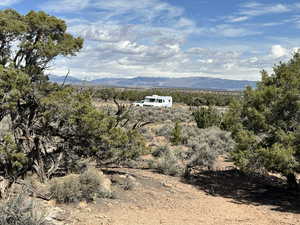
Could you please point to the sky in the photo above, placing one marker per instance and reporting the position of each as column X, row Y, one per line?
column 231, row 39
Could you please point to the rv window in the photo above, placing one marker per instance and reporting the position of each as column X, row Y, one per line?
column 169, row 100
column 160, row 100
column 152, row 100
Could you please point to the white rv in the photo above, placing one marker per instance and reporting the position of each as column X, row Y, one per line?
column 155, row 100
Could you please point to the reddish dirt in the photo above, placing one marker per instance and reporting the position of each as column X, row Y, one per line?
column 159, row 199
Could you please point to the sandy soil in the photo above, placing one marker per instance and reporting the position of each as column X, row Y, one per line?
column 159, row 199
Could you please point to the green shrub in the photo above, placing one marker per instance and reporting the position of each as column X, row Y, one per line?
column 207, row 117
column 12, row 160
column 176, row 134
column 17, row 210
column 165, row 130
column 192, row 98
column 160, row 150
column 265, row 123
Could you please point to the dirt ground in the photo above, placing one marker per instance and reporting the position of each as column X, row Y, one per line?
column 159, row 199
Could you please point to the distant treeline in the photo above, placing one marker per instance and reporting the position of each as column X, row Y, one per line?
column 189, row 97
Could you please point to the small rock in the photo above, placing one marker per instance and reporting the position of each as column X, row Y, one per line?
column 166, row 185
column 128, row 182
column 55, row 216
column 106, row 183
column 82, row 205
column 51, row 203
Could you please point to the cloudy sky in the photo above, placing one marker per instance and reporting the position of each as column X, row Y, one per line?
column 231, row 39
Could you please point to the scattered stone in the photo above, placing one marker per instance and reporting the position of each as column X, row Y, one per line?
column 167, row 185
column 55, row 216
column 4, row 183
column 127, row 182
column 106, row 183
column 82, row 205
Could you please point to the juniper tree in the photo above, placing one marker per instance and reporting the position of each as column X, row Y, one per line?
column 207, row 117
column 50, row 124
column 176, row 134
column 28, row 43
column 266, row 123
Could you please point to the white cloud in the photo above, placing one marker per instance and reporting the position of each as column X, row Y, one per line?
column 257, row 9
column 124, row 47
column 278, row 51
column 206, row 61
column 9, row 2
column 66, row 5
column 130, row 59
column 103, row 32
column 253, row 60
column 295, row 50
column 251, row 5
column 184, row 22
column 238, row 19
column 146, row 10
column 227, row 30
column 271, row 24
column 147, row 38
column 249, row 10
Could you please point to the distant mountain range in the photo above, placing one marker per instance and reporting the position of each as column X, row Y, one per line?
column 163, row 82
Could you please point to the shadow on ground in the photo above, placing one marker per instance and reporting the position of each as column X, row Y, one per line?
column 243, row 189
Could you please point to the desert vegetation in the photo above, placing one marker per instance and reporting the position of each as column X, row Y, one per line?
column 265, row 124
column 188, row 97
column 56, row 139
column 18, row 210
column 41, row 134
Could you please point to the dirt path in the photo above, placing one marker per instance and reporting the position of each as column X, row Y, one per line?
column 159, row 199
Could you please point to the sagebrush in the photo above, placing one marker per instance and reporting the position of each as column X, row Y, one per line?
column 19, row 210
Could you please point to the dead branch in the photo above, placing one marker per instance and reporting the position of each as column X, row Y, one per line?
column 63, row 84
column 34, row 192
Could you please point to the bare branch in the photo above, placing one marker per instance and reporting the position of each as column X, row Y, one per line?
column 63, row 84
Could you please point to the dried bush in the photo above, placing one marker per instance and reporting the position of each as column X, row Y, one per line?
column 168, row 163
column 86, row 186
column 92, row 185
column 161, row 115
column 5, row 125
column 66, row 189
column 147, row 133
column 17, row 210
column 126, row 182
column 165, row 130
column 160, row 150
column 207, row 146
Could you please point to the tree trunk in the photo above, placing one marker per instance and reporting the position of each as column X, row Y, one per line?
column 292, row 181
column 5, row 185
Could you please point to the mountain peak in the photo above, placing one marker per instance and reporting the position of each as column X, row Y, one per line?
column 165, row 82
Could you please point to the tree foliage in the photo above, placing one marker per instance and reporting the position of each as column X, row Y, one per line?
column 265, row 124
column 176, row 134
column 52, row 126
column 207, row 117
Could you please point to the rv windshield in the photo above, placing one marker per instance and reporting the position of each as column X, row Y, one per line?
column 150, row 99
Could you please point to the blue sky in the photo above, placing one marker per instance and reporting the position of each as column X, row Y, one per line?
column 231, row 39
